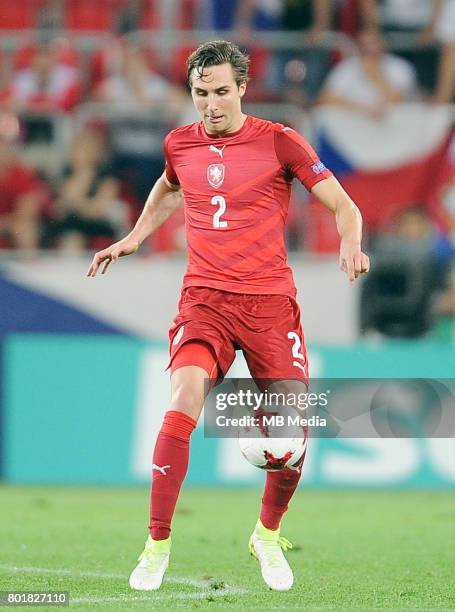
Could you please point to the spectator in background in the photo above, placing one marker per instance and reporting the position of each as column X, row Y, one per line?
column 24, row 200
column 51, row 16
column 46, row 85
column 88, row 206
column 294, row 75
column 133, row 83
column 300, row 73
column 415, row 232
column 137, row 134
column 244, row 18
column 403, row 16
column 445, row 207
column 415, row 21
column 241, row 15
column 410, row 286
column 372, row 80
column 444, row 18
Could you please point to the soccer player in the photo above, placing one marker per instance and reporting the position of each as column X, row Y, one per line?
column 234, row 172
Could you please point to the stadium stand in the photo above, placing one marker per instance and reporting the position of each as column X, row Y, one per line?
column 64, row 64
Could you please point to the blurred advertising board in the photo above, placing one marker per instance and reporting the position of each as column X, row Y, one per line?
column 85, row 409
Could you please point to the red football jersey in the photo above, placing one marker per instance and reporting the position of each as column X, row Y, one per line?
column 237, row 189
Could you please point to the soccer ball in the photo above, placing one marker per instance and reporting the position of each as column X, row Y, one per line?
column 273, row 454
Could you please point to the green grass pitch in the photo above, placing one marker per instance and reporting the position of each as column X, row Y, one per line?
column 353, row 549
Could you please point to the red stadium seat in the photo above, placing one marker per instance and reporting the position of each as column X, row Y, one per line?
column 92, row 15
column 23, row 55
column 259, row 63
column 19, row 15
column 99, row 62
column 348, row 17
column 257, row 89
column 150, row 18
column 187, row 14
column 177, row 65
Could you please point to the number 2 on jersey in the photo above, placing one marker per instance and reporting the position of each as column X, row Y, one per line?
column 296, row 351
column 221, row 203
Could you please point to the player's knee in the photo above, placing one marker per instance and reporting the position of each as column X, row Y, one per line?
column 188, row 399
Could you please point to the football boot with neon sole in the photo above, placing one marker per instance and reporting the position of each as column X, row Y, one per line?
column 153, row 562
column 267, row 546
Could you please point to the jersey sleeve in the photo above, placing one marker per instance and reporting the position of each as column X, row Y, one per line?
column 169, row 168
column 298, row 157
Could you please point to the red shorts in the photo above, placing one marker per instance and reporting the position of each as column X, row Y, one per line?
column 265, row 327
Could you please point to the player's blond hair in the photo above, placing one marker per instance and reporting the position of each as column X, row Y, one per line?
column 215, row 53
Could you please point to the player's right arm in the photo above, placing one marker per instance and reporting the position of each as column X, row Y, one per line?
column 162, row 201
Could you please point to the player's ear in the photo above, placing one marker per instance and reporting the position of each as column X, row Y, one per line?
column 242, row 89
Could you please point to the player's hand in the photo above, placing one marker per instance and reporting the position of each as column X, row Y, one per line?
column 353, row 261
column 127, row 246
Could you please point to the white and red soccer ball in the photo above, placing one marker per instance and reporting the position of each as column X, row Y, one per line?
column 273, row 454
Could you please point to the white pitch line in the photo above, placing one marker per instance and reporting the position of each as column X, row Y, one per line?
column 62, row 572
column 93, row 574
column 183, row 580
column 152, row 596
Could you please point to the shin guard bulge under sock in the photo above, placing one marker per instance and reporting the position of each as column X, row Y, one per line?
column 279, row 489
column 170, row 464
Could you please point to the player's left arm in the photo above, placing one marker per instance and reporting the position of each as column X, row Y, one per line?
column 349, row 224
column 298, row 158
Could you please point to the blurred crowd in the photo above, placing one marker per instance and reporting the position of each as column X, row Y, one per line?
column 60, row 57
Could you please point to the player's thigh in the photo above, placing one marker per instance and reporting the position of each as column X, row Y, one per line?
column 200, row 319
column 277, row 352
column 288, row 387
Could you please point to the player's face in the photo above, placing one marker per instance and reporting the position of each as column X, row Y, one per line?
column 217, row 99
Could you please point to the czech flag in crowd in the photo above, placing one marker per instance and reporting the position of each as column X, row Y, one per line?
column 403, row 159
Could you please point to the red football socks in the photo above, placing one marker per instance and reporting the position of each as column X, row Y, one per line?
column 170, row 464
column 279, row 488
